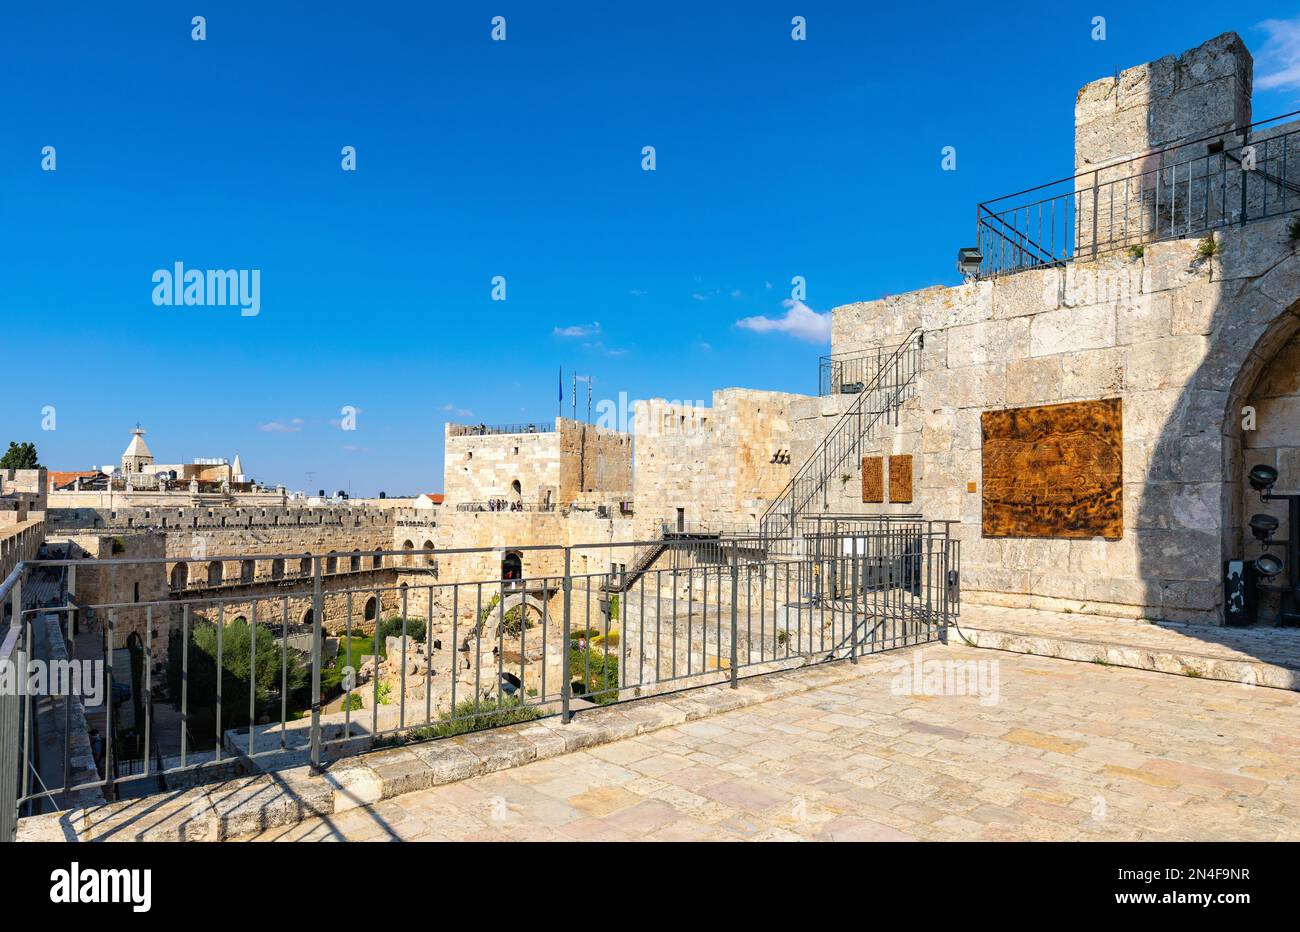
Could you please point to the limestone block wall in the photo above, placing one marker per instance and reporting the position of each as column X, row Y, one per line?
column 124, row 584
column 721, row 464
column 1180, row 340
column 481, row 468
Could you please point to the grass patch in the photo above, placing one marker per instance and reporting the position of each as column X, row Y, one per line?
column 351, row 650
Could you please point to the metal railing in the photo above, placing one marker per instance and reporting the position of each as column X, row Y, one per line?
column 219, row 687
column 889, row 384
column 851, row 373
column 486, row 430
column 505, row 504
column 1190, row 189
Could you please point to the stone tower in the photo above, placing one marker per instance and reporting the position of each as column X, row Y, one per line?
column 137, row 455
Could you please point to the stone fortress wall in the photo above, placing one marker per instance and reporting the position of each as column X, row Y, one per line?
column 1184, row 341
column 721, row 464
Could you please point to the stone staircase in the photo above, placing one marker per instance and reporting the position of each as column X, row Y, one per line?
column 889, row 383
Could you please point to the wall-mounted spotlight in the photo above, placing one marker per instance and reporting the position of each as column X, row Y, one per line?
column 1262, row 478
column 1268, row 566
column 1263, row 527
column 969, row 260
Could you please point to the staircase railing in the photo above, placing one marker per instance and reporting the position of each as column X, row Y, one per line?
column 883, row 393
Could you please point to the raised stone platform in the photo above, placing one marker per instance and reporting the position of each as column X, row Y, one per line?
column 1253, row 656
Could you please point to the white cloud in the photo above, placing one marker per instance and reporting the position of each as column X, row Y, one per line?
column 1279, row 57
column 292, row 426
column 800, row 321
column 458, row 412
column 579, row 330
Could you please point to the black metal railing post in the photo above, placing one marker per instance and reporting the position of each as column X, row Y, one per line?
column 317, row 610
column 566, row 687
column 735, row 586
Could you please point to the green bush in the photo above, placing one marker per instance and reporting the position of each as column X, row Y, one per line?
column 236, row 639
column 594, row 674
column 613, row 607
column 392, row 628
column 353, row 703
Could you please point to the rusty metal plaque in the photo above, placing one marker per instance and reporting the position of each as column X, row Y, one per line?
column 1054, row 471
column 873, row 479
column 900, row 478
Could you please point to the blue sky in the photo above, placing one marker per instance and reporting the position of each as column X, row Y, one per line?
column 522, row 159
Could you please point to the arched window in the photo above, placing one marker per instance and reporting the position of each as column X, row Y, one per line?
column 214, row 573
column 377, row 560
column 247, row 570
column 307, row 617
column 180, row 575
column 408, row 546
column 304, row 566
column 277, row 568
column 331, row 563
column 355, row 563
column 512, row 565
column 428, row 553
column 372, row 609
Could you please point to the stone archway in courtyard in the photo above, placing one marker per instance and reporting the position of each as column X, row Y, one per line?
column 1188, row 478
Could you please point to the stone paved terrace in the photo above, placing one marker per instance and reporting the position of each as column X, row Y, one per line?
column 1263, row 656
column 1068, row 751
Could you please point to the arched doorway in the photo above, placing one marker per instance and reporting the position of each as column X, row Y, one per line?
column 331, row 563
column 308, row 617
column 180, row 575
column 371, row 609
column 214, row 573
column 247, row 570
column 354, row 563
column 409, row 547
column 428, row 553
column 277, row 568
column 1265, row 403
column 304, row 566
column 512, row 566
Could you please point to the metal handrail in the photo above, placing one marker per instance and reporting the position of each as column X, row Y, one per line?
column 485, row 430
column 1142, row 199
column 816, row 468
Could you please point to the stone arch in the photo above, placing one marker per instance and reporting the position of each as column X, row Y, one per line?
column 277, row 568
column 517, row 489
column 377, row 559
column 304, row 566
column 354, row 562
column 215, row 571
column 512, row 565
column 308, row 617
column 180, row 575
column 331, row 562
column 428, row 553
column 247, row 570
column 409, row 547
column 371, row 611
column 1188, row 519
